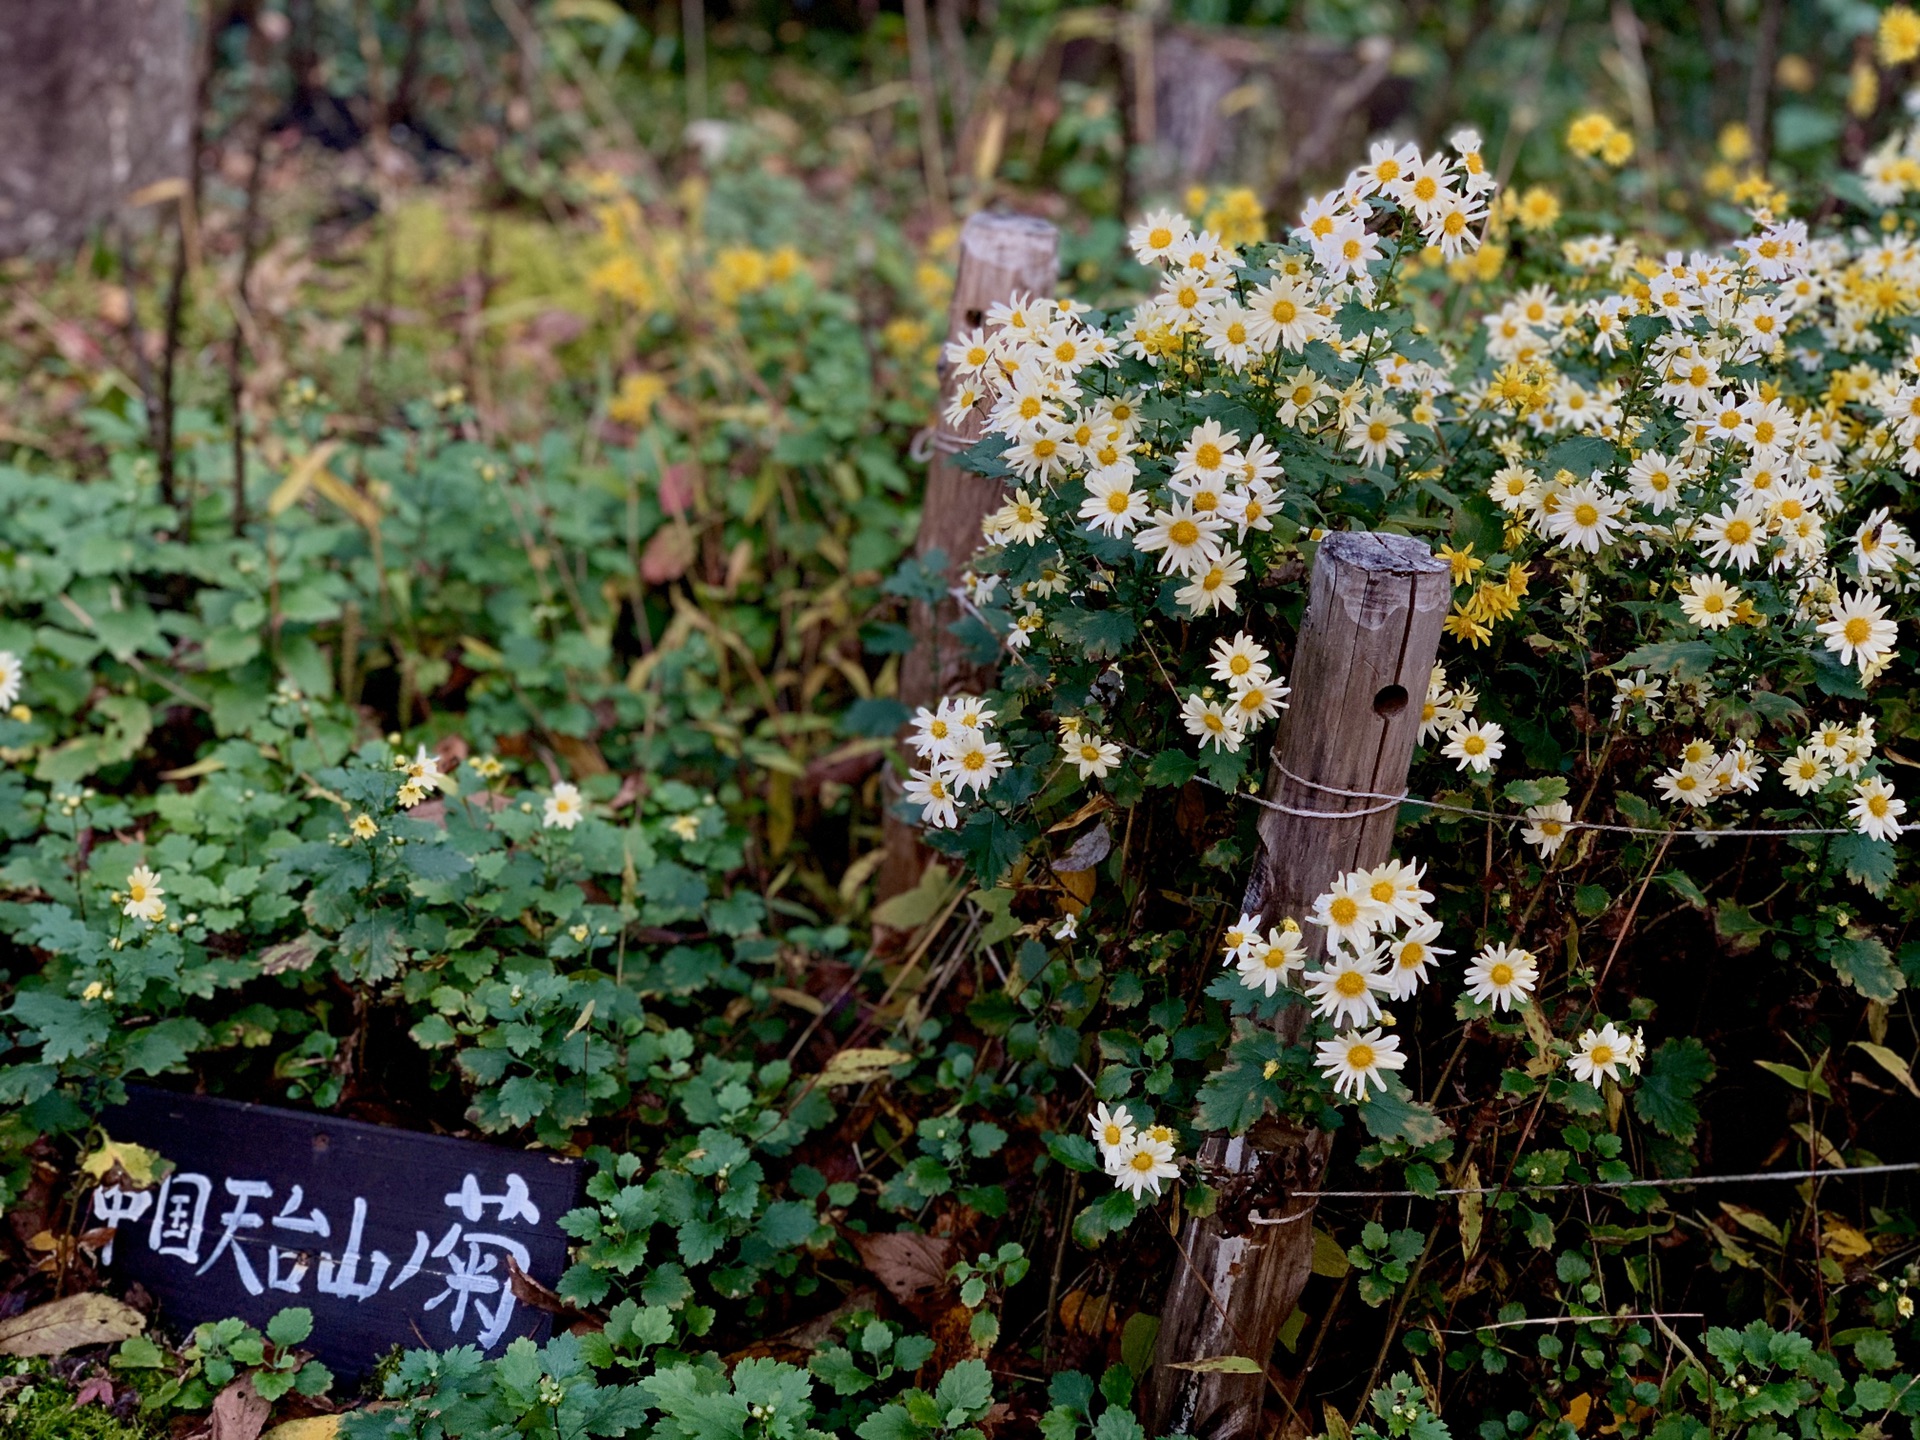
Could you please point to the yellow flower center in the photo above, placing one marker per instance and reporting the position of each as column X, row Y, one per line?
column 1412, row 955
column 1183, row 532
column 1501, row 974
column 1585, row 514
column 1602, row 1055
column 1208, row 456
column 1382, row 891
column 1344, row 910
column 1738, row 532
column 1359, row 1057
column 1236, row 333
column 1141, row 1161
column 1117, row 501
column 1474, row 745
column 1857, row 630
column 1284, row 311
column 1159, row 238
column 1112, row 1134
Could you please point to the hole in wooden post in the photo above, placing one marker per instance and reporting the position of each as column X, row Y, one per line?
column 975, row 317
column 1390, row 701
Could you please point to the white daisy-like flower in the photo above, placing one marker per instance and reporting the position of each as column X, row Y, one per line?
column 11, row 675
column 1805, row 772
column 1242, row 933
column 1264, row 964
column 1547, row 826
column 1346, row 989
column 1859, row 630
column 1212, row 723
column 1091, row 755
column 563, row 808
column 1239, row 661
column 1408, row 957
column 1474, row 745
column 1348, row 912
column 928, row 790
column 1600, row 1055
column 1876, row 810
column 1395, row 889
column 1502, row 975
column 1113, row 1131
column 1354, row 1061
column 1143, row 1165
column 145, row 896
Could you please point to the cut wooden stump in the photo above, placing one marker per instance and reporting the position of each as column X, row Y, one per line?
column 1366, row 649
column 1000, row 256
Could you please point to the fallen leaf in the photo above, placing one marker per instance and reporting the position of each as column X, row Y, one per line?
column 1890, row 1061
column 141, row 1166
column 295, row 954
column 239, row 1412
column 677, row 485
column 860, row 1065
column 1218, row 1365
column 1577, row 1410
column 668, row 554
column 69, row 1324
column 97, row 1391
column 1086, row 852
column 314, row 1427
column 1843, row 1240
column 908, row 1265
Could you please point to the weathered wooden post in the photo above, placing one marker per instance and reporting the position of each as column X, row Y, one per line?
column 1359, row 677
column 1000, row 256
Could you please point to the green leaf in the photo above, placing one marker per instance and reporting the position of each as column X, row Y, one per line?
column 291, row 1326
column 1672, row 1077
column 964, row 1393
column 1867, row 861
column 1393, row 1114
column 1682, row 659
column 1866, row 964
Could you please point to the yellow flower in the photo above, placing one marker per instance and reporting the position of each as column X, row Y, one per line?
column 485, row 766
column 638, row 394
column 1899, row 37
column 784, row 264
column 1536, row 211
column 1237, row 217
column 1863, row 90
column 1735, row 143
column 1463, row 626
column 737, row 271
column 904, row 336
column 1589, row 133
column 1461, row 562
column 623, row 279
column 363, row 827
column 1618, row 149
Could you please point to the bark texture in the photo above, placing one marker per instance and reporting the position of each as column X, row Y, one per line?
column 96, row 101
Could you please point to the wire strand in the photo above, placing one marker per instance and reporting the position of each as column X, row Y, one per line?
column 1504, row 817
column 1657, row 1183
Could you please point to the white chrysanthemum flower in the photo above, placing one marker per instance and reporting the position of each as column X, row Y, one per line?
column 1243, row 933
column 1239, row 661
column 1475, row 745
column 1346, row 988
column 1503, row 976
column 1354, row 1061
column 563, row 808
column 1143, row 1165
column 1091, row 755
column 1186, row 542
column 11, row 675
column 1348, row 912
column 1394, row 889
column 1264, row 963
column 1710, row 602
column 1114, row 1132
column 1600, row 1055
column 1212, row 723
column 1546, row 827
column 1876, row 810
column 1408, row 958
column 1805, row 772
column 145, row 896
column 928, row 790
column 1859, row 630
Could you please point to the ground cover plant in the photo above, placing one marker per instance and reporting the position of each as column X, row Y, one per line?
column 471, row 713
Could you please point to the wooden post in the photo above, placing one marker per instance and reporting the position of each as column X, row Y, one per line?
column 1000, row 256
column 1359, row 678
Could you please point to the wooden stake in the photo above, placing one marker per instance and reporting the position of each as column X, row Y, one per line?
column 1000, row 256
column 1359, row 678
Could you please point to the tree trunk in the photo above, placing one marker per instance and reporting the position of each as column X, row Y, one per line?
column 96, row 102
column 1360, row 673
column 1000, row 256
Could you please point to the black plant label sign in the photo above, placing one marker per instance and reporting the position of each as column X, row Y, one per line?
column 387, row 1236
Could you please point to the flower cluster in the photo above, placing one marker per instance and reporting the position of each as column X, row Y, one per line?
column 1136, row 1158
column 961, row 760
